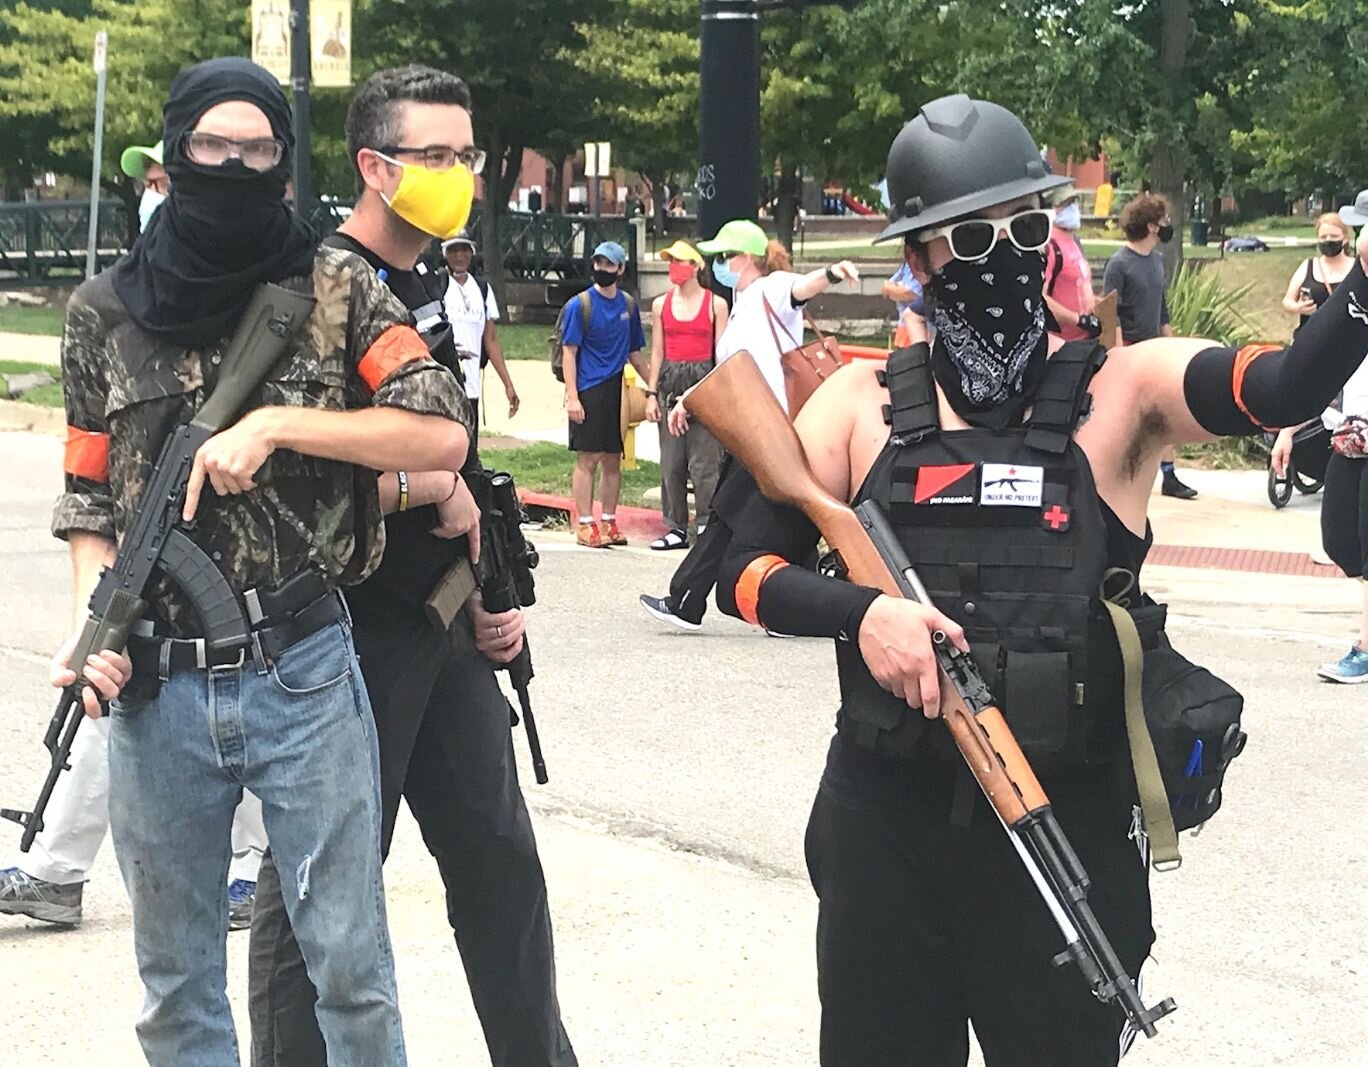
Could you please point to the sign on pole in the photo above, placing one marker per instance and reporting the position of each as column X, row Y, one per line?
column 330, row 47
column 93, row 228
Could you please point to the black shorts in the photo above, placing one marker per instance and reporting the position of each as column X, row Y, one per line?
column 601, row 430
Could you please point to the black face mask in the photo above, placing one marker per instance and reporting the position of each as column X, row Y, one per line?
column 990, row 345
column 1330, row 248
column 606, row 278
column 223, row 230
column 1166, row 233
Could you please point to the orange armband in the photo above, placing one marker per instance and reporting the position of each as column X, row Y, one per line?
column 390, row 351
column 748, row 585
column 86, row 455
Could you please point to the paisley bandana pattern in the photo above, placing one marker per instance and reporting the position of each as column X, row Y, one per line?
column 989, row 318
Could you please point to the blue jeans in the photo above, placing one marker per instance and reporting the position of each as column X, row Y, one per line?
column 299, row 734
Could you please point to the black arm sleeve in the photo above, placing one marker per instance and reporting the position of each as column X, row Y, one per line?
column 1287, row 387
column 793, row 600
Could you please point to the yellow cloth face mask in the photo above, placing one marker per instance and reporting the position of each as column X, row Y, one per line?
column 435, row 201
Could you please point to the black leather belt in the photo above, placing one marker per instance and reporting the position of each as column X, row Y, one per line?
column 158, row 656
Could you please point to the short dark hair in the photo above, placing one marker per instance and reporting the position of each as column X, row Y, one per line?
column 1140, row 211
column 373, row 117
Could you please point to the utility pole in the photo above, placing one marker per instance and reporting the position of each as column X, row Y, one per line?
column 728, row 180
column 93, row 229
column 299, row 91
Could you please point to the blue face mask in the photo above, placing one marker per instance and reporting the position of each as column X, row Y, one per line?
column 1069, row 217
column 724, row 274
column 147, row 206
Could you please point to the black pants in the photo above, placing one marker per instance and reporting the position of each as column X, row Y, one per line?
column 697, row 572
column 924, row 925
column 1344, row 514
column 446, row 748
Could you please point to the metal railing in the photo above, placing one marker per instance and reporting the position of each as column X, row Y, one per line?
column 44, row 242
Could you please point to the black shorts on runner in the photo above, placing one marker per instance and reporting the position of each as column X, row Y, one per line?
column 601, row 430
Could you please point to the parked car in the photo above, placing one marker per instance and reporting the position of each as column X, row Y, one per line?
column 1245, row 244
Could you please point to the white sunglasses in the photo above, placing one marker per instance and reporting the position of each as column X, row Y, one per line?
column 972, row 239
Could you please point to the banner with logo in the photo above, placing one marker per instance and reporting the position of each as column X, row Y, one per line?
column 329, row 40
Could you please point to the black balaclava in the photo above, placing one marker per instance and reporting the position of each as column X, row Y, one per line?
column 990, row 346
column 223, row 230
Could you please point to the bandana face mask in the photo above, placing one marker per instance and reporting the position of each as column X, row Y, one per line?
column 989, row 319
column 434, row 201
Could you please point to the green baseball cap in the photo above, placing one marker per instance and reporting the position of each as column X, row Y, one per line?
column 739, row 235
column 136, row 157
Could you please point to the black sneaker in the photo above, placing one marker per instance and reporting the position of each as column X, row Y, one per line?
column 1174, row 488
column 660, row 609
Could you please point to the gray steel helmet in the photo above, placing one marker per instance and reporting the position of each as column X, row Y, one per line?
column 958, row 156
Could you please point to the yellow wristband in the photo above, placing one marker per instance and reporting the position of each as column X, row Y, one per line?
column 402, row 476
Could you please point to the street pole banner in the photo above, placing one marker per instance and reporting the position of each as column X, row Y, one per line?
column 271, row 37
column 330, row 40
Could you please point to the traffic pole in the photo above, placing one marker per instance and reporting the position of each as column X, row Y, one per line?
column 728, row 180
column 93, row 229
column 299, row 91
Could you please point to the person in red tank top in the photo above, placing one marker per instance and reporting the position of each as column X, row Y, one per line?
column 686, row 324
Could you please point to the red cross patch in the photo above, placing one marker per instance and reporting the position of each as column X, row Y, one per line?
column 1055, row 518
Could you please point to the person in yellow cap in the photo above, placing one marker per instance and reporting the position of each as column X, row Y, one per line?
column 688, row 320
column 144, row 164
column 766, row 321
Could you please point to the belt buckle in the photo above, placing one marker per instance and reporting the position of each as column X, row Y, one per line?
column 202, row 658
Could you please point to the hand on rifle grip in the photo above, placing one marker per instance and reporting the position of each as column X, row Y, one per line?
column 105, row 674
column 897, row 643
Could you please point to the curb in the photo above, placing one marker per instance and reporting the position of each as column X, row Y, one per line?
column 16, row 416
column 634, row 522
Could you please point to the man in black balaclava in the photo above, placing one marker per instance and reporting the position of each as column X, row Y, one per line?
column 293, row 515
column 1016, row 473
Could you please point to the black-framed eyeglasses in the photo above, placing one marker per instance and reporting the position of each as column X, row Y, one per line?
column 441, row 157
column 211, row 150
column 972, row 239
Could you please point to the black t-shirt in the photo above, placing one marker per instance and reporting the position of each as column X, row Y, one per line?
column 414, row 559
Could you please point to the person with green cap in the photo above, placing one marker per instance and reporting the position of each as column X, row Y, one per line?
column 144, row 164
column 766, row 321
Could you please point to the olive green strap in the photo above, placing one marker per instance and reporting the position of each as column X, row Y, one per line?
column 1149, row 783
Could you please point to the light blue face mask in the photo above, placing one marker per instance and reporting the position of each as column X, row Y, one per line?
column 724, row 274
column 1068, row 217
column 147, row 206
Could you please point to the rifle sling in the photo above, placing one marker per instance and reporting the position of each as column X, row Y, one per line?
column 1149, row 783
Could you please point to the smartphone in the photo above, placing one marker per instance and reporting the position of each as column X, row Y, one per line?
column 1304, row 293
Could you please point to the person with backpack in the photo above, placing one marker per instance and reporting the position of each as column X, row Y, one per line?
column 472, row 309
column 1016, row 473
column 1068, row 277
column 687, row 322
column 598, row 332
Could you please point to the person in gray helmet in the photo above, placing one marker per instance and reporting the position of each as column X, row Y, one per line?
column 1016, row 473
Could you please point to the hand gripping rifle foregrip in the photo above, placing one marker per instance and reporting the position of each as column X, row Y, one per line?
column 736, row 405
column 156, row 541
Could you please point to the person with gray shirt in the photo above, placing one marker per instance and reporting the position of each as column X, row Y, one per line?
column 1135, row 273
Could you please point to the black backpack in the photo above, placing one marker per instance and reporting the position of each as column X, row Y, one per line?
column 583, row 301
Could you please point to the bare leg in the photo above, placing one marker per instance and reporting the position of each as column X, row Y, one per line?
column 582, row 482
column 611, row 489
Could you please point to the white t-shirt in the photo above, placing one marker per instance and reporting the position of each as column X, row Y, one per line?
column 1355, row 400
column 468, row 314
column 748, row 329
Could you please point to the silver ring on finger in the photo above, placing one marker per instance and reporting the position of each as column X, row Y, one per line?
column 498, row 630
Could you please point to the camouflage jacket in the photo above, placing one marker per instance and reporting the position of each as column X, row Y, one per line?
column 126, row 390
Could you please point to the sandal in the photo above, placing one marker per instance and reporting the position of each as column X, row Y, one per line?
column 672, row 540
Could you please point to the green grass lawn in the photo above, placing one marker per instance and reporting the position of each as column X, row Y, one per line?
column 45, row 320
column 49, row 396
column 545, row 468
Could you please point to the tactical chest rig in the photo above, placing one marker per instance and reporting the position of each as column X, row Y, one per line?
column 1006, row 530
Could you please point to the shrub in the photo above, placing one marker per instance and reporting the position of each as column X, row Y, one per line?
column 1200, row 306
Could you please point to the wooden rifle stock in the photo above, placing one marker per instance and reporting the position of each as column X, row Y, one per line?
column 736, row 405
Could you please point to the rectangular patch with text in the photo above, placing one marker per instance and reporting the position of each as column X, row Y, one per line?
column 953, row 483
column 1012, row 485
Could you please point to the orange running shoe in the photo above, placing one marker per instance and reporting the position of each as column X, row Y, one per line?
column 588, row 535
column 611, row 534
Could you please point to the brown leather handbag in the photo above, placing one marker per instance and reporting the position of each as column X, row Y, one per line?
column 806, row 366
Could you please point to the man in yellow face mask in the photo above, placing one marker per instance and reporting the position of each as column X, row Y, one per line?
column 410, row 137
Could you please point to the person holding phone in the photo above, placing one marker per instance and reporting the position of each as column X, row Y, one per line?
column 1313, row 282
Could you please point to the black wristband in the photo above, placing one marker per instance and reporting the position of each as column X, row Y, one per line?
column 831, row 276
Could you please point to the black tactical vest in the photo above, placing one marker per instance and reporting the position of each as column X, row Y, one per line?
column 1006, row 530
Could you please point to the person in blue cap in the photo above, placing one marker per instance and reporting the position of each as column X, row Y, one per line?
column 601, row 331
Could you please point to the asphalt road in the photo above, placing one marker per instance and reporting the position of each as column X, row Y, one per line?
column 682, row 769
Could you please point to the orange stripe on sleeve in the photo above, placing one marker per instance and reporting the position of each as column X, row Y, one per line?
column 1244, row 358
column 392, row 349
column 748, row 585
column 87, row 454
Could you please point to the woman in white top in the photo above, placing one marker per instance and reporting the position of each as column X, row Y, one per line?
column 766, row 321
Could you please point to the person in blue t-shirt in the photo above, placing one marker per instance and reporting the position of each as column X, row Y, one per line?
column 594, row 361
